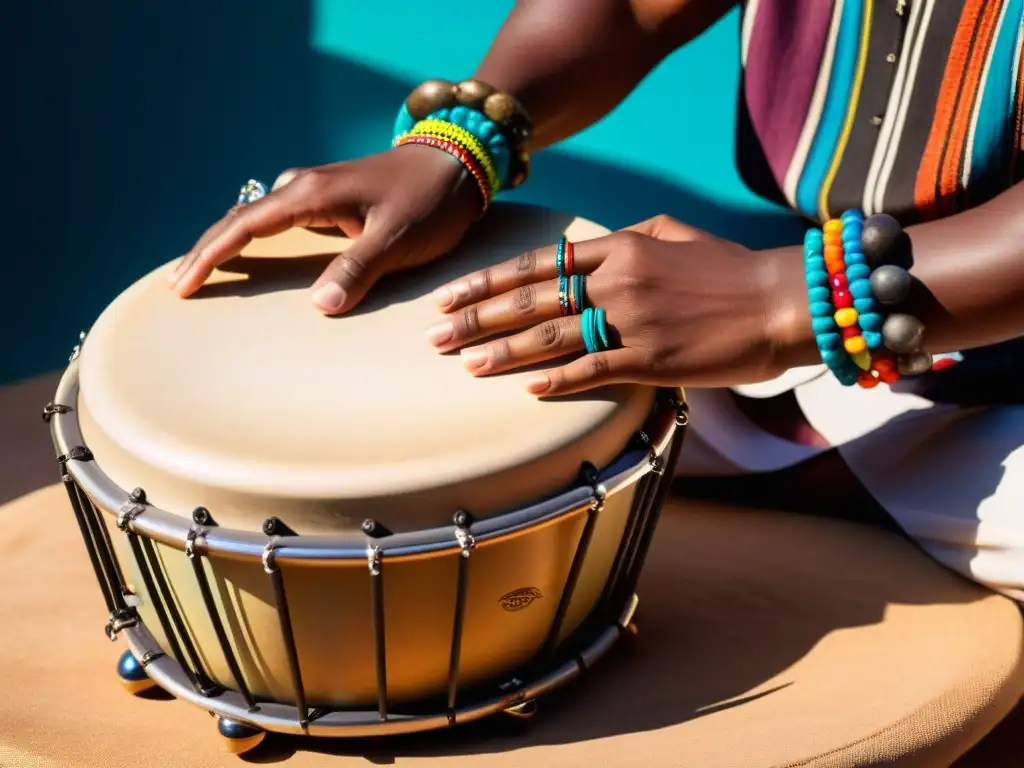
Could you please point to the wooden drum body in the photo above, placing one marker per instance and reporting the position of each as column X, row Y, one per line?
column 306, row 552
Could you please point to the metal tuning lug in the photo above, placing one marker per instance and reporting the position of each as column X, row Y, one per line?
column 589, row 475
column 51, row 409
column 682, row 412
column 201, row 516
column 375, row 531
column 275, row 526
column 119, row 621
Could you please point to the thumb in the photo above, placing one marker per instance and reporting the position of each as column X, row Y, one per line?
column 351, row 275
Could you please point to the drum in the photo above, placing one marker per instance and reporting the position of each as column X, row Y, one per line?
column 322, row 526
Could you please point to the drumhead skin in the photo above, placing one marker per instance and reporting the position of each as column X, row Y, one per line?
column 245, row 400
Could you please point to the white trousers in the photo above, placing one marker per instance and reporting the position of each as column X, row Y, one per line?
column 951, row 477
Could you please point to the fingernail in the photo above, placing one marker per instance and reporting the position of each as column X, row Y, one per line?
column 474, row 359
column 444, row 297
column 329, row 297
column 440, row 333
column 538, row 384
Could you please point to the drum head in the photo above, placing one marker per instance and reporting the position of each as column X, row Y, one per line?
column 245, row 400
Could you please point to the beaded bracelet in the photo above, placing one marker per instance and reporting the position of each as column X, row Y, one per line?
column 824, row 313
column 863, row 262
column 501, row 109
column 487, row 131
column 463, row 139
column 462, row 156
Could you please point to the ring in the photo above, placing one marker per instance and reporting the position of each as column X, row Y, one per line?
column 563, row 296
column 594, row 324
column 560, row 256
column 251, row 191
column 578, row 293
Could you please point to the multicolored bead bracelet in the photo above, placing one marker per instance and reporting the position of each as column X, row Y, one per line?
column 866, row 265
column 824, row 314
column 439, row 129
column 480, row 109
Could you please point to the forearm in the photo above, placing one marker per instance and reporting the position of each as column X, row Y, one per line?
column 969, row 281
column 971, row 267
column 570, row 62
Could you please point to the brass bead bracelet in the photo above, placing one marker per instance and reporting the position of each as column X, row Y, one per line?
column 501, row 108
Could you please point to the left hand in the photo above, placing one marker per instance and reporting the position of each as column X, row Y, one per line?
column 684, row 309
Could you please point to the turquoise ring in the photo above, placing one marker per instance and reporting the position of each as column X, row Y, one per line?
column 594, row 325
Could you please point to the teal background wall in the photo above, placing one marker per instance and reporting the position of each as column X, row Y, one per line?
column 133, row 124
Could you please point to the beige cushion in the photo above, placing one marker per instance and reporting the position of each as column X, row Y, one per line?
column 765, row 640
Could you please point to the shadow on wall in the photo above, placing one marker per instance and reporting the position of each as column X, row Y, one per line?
column 132, row 133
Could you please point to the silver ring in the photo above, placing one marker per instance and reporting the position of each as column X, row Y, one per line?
column 251, row 191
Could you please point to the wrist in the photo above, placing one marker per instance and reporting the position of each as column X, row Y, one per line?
column 787, row 309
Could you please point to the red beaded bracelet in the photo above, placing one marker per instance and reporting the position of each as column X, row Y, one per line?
column 459, row 154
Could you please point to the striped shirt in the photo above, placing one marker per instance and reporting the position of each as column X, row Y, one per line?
column 907, row 107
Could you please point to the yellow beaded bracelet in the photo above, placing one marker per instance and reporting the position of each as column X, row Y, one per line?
column 459, row 135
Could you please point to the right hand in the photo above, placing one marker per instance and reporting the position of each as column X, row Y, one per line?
column 403, row 208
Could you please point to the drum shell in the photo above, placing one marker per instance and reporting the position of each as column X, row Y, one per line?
column 515, row 583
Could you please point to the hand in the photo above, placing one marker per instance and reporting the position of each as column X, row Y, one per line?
column 684, row 309
column 403, row 207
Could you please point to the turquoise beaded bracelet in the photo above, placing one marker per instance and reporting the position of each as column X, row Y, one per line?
column 858, row 275
column 487, row 131
column 823, row 324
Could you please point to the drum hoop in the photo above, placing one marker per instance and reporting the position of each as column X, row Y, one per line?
column 174, row 530
column 282, row 718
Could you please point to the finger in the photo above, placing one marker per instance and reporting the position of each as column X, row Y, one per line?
column 530, row 267
column 548, row 340
column 664, row 227
column 518, row 308
column 348, row 278
column 186, row 261
column 287, row 177
column 598, row 369
column 267, row 216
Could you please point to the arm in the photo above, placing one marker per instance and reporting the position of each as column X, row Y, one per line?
column 570, row 62
column 971, row 266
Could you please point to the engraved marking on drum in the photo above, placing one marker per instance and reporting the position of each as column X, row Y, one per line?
column 518, row 599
